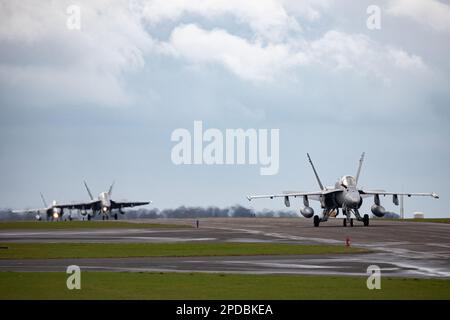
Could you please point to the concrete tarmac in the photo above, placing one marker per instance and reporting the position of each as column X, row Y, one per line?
column 406, row 249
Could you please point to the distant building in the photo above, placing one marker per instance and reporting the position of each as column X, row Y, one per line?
column 419, row 215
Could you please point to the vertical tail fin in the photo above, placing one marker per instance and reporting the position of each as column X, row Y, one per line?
column 361, row 160
column 111, row 189
column 43, row 200
column 89, row 191
column 315, row 173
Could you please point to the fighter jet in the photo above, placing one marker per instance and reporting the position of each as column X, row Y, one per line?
column 344, row 195
column 102, row 205
column 53, row 212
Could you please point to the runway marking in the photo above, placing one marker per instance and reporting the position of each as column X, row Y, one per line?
column 285, row 265
column 167, row 239
column 387, row 247
column 280, row 235
column 256, row 272
column 439, row 245
column 423, row 258
column 307, row 266
column 85, row 232
column 250, row 240
column 383, row 246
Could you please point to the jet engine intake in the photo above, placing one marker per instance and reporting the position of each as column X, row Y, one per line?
column 378, row 210
column 307, row 212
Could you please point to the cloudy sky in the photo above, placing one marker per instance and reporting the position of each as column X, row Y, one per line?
column 100, row 103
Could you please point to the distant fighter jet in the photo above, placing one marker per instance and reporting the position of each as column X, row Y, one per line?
column 53, row 212
column 103, row 205
column 345, row 195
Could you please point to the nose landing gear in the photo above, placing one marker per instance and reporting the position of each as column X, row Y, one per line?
column 349, row 220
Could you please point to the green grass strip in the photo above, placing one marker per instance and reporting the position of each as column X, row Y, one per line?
column 119, row 250
column 435, row 220
column 63, row 225
column 110, row 285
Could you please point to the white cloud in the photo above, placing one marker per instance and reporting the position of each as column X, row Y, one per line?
column 253, row 61
column 40, row 52
column 268, row 18
column 403, row 60
column 46, row 54
column 339, row 50
column 356, row 52
column 248, row 60
column 431, row 13
column 310, row 10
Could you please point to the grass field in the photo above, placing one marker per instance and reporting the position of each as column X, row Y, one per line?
column 44, row 225
column 118, row 250
column 110, row 285
column 436, row 220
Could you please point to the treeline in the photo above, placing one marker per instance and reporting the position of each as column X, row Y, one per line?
column 180, row 212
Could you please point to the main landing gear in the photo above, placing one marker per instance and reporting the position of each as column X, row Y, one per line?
column 366, row 220
column 325, row 215
column 316, row 221
column 348, row 220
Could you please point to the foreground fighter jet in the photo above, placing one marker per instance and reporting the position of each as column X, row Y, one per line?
column 102, row 205
column 345, row 195
column 52, row 212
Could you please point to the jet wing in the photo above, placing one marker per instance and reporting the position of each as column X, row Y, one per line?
column 80, row 205
column 126, row 204
column 314, row 195
column 384, row 193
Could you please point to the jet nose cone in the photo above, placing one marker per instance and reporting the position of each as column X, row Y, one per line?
column 352, row 199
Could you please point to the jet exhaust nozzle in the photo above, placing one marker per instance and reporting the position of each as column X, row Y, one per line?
column 378, row 210
column 307, row 212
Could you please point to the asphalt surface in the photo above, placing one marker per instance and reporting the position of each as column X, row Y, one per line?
column 406, row 249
